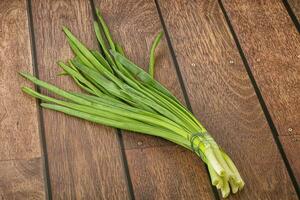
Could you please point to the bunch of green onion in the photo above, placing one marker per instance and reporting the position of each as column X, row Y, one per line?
column 120, row 94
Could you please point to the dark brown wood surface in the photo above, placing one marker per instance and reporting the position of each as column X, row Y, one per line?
column 89, row 161
column 295, row 6
column 223, row 98
column 21, row 165
column 154, row 165
column 168, row 172
column 271, row 44
column 84, row 158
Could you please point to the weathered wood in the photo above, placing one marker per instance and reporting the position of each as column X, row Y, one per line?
column 157, row 171
column 21, row 179
column 84, row 158
column 291, row 144
column 271, row 44
column 222, row 96
column 19, row 138
column 295, row 6
column 20, row 153
column 168, row 172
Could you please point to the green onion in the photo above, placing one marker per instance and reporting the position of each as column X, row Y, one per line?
column 152, row 56
column 122, row 95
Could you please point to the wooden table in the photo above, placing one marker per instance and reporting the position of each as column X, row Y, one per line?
column 234, row 63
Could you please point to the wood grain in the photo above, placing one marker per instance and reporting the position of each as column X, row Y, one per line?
column 295, row 5
column 271, row 44
column 20, row 163
column 19, row 136
column 21, row 179
column 290, row 144
column 84, row 158
column 168, row 172
column 135, row 24
column 223, row 98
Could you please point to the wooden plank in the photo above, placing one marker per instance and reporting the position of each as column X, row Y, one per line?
column 21, row 179
column 168, row 172
column 18, row 113
column 20, row 153
column 295, row 6
column 155, row 167
column 223, row 98
column 291, row 144
column 84, row 158
column 271, row 45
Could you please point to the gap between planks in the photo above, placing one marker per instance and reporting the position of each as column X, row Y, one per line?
column 292, row 13
column 179, row 76
column 118, row 131
column 262, row 101
column 47, row 182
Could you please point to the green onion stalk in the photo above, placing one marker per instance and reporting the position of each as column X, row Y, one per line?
column 120, row 94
